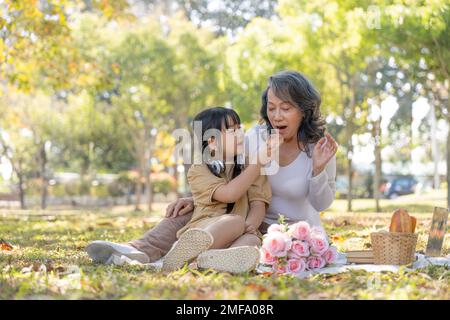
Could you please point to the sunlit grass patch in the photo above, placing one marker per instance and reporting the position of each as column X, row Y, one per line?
column 48, row 262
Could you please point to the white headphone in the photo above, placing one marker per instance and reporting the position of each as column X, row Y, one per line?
column 217, row 166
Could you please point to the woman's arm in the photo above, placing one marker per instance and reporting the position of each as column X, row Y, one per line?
column 322, row 184
column 180, row 207
column 322, row 187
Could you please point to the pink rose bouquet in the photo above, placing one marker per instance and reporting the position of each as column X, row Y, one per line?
column 291, row 249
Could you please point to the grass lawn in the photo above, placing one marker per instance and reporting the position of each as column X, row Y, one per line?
column 48, row 261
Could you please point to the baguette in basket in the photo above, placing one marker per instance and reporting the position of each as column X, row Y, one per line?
column 401, row 221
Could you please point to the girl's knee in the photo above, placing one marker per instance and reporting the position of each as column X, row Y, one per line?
column 234, row 218
column 253, row 239
column 240, row 221
column 237, row 221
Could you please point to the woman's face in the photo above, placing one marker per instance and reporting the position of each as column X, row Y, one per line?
column 283, row 116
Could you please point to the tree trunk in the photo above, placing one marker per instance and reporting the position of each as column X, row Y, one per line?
column 141, row 173
column 21, row 192
column 377, row 175
column 348, row 105
column 138, row 192
column 349, row 165
column 350, row 128
column 448, row 159
column 148, row 183
column 434, row 147
column 43, row 174
column 147, row 172
column 140, row 158
column 350, row 184
column 176, row 174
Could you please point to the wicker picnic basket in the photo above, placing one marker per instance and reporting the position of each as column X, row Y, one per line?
column 397, row 248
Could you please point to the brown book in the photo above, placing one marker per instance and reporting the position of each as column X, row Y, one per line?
column 360, row 256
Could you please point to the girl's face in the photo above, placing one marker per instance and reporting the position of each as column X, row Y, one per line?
column 283, row 116
column 232, row 141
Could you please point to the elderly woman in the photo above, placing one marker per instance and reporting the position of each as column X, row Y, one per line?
column 303, row 183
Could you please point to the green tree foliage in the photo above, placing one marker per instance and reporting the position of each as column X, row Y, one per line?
column 419, row 33
column 262, row 49
column 99, row 85
column 227, row 16
column 334, row 31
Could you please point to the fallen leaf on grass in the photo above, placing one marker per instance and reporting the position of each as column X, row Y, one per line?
column 5, row 246
column 33, row 267
column 105, row 224
column 341, row 223
column 203, row 293
column 333, row 278
column 256, row 287
column 43, row 268
column 337, row 238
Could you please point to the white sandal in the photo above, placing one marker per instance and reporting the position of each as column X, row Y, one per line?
column 103, row 251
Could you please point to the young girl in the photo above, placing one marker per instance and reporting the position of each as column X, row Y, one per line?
column 225, row 215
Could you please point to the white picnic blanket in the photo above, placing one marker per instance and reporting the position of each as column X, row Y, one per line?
column 339, row 266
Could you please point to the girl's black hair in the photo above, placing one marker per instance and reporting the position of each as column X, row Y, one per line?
column 218, row 118
column 294, row 87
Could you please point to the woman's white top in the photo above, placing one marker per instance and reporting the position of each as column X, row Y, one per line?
column 295, row 193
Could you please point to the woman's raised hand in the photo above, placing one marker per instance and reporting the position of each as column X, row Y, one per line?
column 324, row 150
column 179, row 207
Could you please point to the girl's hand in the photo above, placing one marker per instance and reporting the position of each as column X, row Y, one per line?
column 179, row 207
column 269, row 152
column 324, row 150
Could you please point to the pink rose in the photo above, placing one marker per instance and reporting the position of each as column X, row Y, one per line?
column 314, row 262
column 277, row 244
column 296, row 265
column 276, row 227
column 330, row 255
column 266, row 257
column 318, row 244
column 300, row 248
column 300, row 230
column 279, row 268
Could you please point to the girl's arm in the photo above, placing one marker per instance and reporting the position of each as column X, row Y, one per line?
column 184, row 206
column 256, row 214
column 236, row 188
